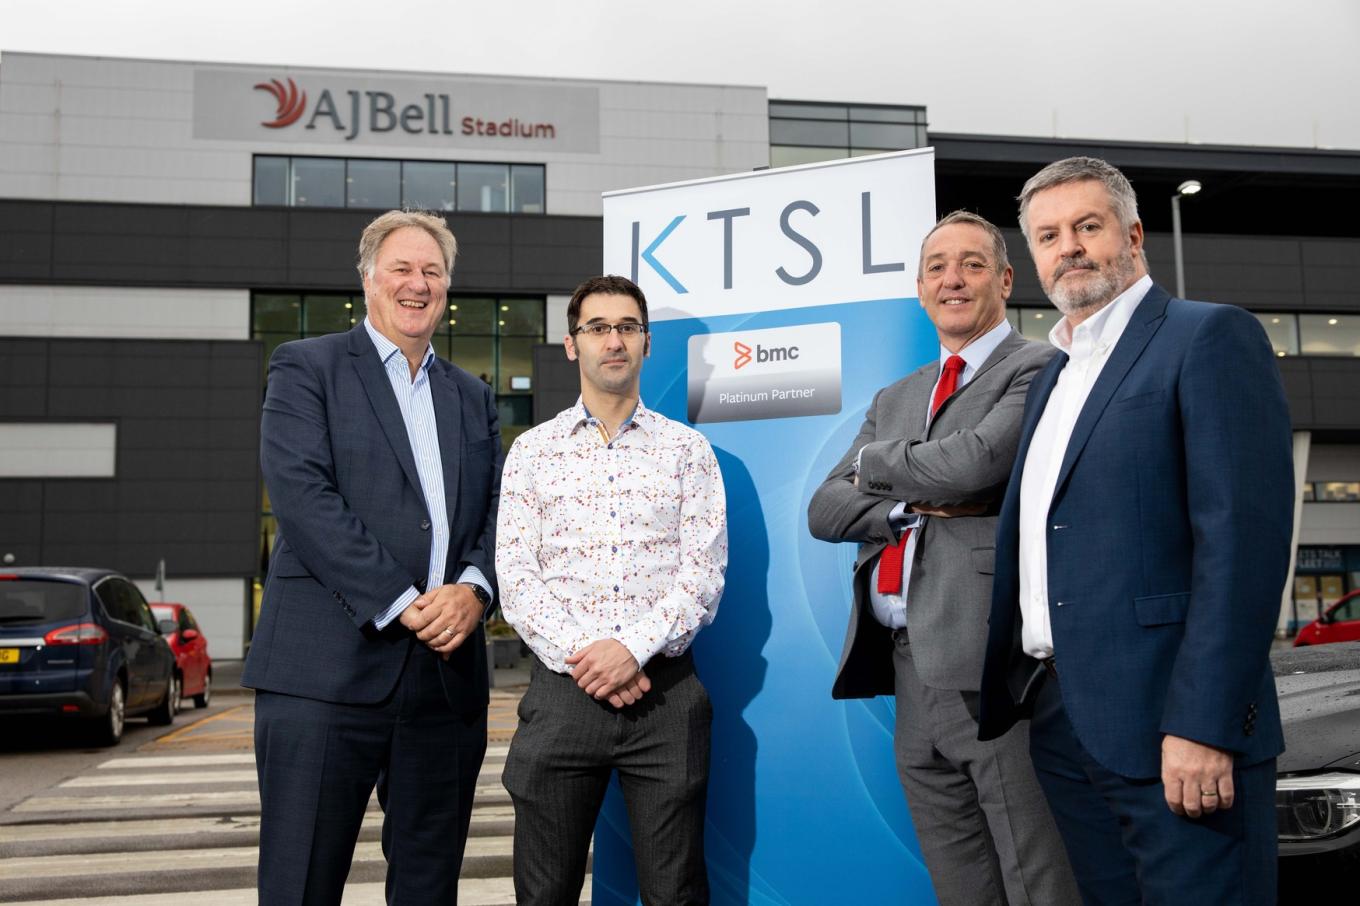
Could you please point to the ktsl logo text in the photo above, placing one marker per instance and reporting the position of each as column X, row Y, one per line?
column 798, row 225
column 358, row 112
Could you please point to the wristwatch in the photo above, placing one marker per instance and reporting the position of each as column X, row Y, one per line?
column 482, row 594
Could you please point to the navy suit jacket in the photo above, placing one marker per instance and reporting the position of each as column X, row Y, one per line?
column 1168, row 544
column 354, row 531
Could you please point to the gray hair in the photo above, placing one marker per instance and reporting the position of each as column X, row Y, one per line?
column 977, row 220
column 1077, row 169
column 385, row 225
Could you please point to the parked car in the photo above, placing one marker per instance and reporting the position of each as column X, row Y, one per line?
column 83, row 644
column 1339, row 623
column 1317, row 793
column 190, row 646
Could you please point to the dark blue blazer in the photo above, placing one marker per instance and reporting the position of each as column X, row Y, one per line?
column 1168, row 544
column 354, row 531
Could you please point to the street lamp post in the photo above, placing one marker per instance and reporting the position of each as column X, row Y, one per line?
column 1189, row 187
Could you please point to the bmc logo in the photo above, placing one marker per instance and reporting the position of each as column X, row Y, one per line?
column 762, row 354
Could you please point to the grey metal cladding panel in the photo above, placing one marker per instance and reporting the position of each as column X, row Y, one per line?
column 263, row 224
column 81, row 496
column 23, row 402
column 23, row 363
column 1331, row 253
column 1336, row 392
column 20, row 496
column 1298, row 390
column 184, row 434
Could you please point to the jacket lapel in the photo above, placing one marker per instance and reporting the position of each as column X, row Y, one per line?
column 1012, row 342
column 448, row 416
column 382, row 399
column 1144, row 323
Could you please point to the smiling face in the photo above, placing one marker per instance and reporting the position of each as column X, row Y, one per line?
column 407, row 290
column 960, row 286
column 609, row 364
column 1085, row 257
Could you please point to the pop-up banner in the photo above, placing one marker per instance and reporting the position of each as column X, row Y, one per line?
column 780, row 301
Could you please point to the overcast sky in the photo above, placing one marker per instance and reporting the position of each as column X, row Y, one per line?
column 1212, row 71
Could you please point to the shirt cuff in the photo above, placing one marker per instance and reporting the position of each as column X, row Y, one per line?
column 400, row 604
column 473, row 576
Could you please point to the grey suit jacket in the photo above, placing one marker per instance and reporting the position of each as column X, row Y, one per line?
column 964, row 458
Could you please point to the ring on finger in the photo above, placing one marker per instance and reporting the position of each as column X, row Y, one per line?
column 1209, row 794
column 448, row 630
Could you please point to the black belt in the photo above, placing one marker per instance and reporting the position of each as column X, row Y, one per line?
column 1050, row 665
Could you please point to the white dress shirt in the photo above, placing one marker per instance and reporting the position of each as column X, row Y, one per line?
column 417, row 414
column 1088, row 348
column 891, row 610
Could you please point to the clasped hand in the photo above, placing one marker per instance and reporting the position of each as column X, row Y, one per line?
column 443, row 618
column 605, row 669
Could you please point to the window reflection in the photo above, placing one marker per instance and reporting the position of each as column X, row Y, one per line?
column 484, row 187
column 1282, row 328
column 1330, row 334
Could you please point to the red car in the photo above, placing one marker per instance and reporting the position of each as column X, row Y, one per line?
column 186, row 640
column 1341, row 623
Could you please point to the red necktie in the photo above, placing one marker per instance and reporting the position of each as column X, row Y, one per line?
column 890, row 561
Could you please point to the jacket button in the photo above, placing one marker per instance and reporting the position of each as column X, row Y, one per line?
column 424, row 525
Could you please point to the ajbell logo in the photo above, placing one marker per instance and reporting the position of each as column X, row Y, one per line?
column 292, row 103
column 354, row 112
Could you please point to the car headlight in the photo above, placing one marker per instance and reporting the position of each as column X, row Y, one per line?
column 1316, row 806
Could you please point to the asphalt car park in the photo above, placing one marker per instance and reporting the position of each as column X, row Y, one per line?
column 1318, row 790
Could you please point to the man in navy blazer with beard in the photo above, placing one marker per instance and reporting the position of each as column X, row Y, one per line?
column 1141, row 555
column 369, row 661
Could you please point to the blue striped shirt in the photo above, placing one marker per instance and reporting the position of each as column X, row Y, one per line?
column 417, row 412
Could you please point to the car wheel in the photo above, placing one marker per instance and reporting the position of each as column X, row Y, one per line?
column 109, row 729
column 204, row 698
column 164, row 714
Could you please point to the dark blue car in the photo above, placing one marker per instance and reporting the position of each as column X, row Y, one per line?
column 82, row 643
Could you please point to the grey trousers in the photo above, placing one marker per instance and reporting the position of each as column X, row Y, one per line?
column 560, row 761
column 985, row 829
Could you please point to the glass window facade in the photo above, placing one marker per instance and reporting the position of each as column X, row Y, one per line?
column 803, row 132
column 1329, row 334
column 490, row 337
column 335, row 182
column 1290, row 333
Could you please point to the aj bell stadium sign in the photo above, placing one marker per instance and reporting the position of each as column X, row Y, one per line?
column 318, row 107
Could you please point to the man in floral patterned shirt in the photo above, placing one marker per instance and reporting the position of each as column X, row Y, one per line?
column 611, row 545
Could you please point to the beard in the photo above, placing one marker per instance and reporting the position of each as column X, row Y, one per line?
column 1098, row 290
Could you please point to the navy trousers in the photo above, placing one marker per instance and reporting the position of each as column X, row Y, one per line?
column 318, row 764
column 1127, row 847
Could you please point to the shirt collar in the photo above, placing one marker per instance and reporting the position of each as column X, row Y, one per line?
column 978, row 351
column 386, row 348
column 578, row 416
column 1104, row 328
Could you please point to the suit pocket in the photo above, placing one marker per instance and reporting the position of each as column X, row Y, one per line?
column 1157, row 610
column 1138, row 400
column 481, row 448
column 287, row 565
column 984, row 560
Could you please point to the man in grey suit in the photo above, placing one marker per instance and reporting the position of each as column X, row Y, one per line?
column 918, row 490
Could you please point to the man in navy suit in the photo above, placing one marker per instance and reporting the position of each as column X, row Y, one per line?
column 1141, row 555
column 382, row 464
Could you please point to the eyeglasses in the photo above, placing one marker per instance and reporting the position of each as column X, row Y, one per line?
column 627, row 330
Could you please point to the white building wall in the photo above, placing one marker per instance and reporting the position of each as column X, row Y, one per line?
column 130, row 312
column 95, row 129
column 1329, row 524
column 217, row 604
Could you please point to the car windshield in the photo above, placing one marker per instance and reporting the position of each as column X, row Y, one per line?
column 163, row 613
column 28, row 601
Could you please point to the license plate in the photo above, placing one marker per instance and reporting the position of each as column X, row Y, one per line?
column 9, row 655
